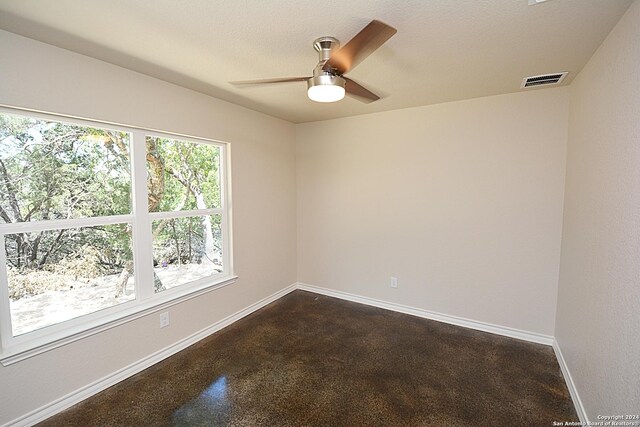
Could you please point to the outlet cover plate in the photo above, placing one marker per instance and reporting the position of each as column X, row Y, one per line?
column 164, row 319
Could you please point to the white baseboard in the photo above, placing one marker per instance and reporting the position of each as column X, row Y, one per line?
column 432, row 315
column 573, row 391
column 85, row 392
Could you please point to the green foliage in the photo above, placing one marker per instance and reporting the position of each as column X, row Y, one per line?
column 108, row 246
column 55, row 170
column 51, row 170
column 190, row 180
column 182, row 240
column 189, row 169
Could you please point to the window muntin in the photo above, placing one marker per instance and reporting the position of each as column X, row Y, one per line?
column 184, row 198
column 124, row 151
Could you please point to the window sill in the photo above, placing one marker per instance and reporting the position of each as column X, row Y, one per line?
column 24, row 351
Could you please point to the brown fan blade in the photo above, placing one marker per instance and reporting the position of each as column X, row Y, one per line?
column 358, row 48
column 266, row 81
column 354, row 89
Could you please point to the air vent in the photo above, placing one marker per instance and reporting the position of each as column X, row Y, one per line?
column 543, row 80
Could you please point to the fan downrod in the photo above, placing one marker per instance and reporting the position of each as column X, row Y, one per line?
column 324, row 46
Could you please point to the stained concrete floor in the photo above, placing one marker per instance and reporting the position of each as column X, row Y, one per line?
column 311, row 360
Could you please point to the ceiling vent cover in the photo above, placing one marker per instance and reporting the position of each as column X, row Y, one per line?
column 543, row 80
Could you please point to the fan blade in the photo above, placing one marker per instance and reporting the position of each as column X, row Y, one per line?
column 358, row 48
column 354, row 89
column 266, row 81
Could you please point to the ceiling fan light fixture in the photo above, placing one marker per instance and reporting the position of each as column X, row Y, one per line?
column 326, row 88
column 327, row 83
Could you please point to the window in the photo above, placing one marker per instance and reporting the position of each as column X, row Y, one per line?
column 101, row 222
column 183, row 180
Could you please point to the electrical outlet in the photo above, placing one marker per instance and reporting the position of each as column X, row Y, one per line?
column 164, row 320
column 394, row 282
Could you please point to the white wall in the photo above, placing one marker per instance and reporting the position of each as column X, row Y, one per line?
column 40, row 76
column 598, row 319
column 462, row 202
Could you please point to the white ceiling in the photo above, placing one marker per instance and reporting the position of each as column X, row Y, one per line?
column 444, row 50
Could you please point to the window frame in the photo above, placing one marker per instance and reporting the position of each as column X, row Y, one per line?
column 16, row 348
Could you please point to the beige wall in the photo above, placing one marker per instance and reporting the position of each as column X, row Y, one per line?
column 462, row 202
column 598, row 319
column 43, row 77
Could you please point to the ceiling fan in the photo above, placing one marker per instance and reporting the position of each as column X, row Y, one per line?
column 328, row 83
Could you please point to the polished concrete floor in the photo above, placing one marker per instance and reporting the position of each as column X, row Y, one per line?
column 311, row 360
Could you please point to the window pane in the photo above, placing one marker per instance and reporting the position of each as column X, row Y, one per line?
column 182, row 175
column 186, row 249
column 58, row 275
column 52, row 170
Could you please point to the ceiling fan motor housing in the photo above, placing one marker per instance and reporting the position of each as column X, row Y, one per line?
column 326, row 79
column 325, row 86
